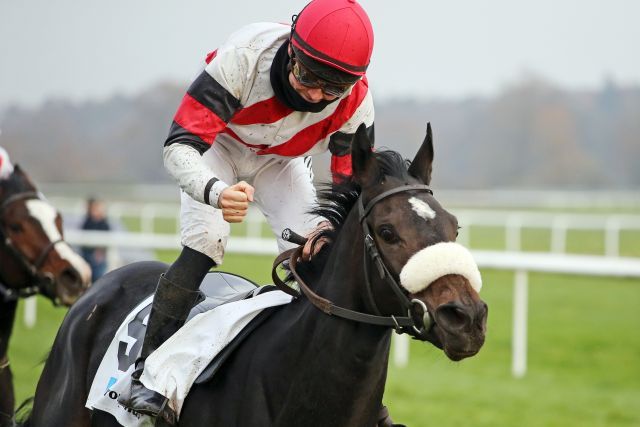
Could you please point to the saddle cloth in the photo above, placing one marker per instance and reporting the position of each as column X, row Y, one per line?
column 230, row 304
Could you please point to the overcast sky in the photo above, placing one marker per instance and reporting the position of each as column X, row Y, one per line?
column 86, row 49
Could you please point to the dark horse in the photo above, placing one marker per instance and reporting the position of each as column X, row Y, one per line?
column 33, row 259
column 302, row 366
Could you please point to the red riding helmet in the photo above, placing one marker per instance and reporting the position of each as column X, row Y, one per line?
column 335, row 32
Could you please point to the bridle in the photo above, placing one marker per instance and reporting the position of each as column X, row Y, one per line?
column 416, row 326
column 37, row 283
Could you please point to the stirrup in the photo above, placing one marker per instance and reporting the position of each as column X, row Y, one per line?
column 150, row 403
column 145, row 401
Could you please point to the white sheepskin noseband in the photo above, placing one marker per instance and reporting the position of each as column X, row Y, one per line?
column 433, row 262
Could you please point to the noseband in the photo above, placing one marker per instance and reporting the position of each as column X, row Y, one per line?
column 37, row 282
column 402, row 324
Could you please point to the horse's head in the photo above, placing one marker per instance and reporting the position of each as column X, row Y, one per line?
column 34, row 256
column 437, row 282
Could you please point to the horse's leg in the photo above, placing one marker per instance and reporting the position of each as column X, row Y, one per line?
column 7, row 402
column 7, row 399
column 62, row 389
column 63, row 406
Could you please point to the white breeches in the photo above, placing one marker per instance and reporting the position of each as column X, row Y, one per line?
column 284, row 193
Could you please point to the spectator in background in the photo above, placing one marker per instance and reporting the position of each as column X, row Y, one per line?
column 95, row 219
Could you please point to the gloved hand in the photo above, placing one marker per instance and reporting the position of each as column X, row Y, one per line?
column 310, row 249
column 234, row 201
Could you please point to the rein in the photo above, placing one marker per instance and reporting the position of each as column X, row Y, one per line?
column 4, row 362
column 402, row 324
column 41, row 283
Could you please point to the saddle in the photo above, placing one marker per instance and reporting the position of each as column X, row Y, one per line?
column 221, row 288
column 217, row 288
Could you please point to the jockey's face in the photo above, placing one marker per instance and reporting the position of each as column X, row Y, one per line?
column 312, row 95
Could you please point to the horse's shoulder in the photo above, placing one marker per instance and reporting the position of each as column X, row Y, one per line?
column 122, row 287
column 138, row 274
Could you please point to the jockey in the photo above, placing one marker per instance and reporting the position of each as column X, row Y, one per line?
column 268, row 98
column 6, row 168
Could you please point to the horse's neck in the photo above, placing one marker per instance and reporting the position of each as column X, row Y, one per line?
column 349, row 356
column 335, row 370
column 8, row 273
column 342, row 280
column 13, row 273
column 7, row 316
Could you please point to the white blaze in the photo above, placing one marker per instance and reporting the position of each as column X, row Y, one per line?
column 46, row 214
column 433, row 262
column 422, row 208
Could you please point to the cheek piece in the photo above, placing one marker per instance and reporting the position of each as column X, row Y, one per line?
column 436, row 261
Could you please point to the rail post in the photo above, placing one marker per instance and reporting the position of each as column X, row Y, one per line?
column 519, row 340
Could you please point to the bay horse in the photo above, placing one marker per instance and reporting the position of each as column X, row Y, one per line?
column 34, row 258
column 303, row 366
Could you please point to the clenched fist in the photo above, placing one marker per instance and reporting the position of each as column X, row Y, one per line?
column 234, row 201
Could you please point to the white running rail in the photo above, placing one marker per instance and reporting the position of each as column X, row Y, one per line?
column 520, row 262
column 512, row 221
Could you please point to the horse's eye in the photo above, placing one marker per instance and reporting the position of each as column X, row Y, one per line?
column 387, row 234
column 458, row 230
column 15, row 228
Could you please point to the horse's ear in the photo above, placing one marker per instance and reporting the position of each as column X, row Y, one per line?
column 18, row 171
column 421, row 165
column 21, row 175
column 364, row 165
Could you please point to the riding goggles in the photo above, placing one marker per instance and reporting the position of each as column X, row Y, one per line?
column 308, row 79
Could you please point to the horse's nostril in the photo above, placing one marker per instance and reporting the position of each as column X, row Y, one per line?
column 71, row 279
column 481, row 318
column 452, row 316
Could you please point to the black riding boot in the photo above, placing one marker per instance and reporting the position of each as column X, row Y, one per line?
column 175, row 296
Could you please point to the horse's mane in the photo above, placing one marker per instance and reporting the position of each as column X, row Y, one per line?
column 335, row 201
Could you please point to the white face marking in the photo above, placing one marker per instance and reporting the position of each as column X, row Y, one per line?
column 422, row 208
column 46, row 215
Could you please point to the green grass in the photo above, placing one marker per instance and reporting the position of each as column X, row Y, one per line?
column 583, row 355
column 630, row 243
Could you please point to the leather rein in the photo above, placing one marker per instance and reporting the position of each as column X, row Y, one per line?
column 37, row 283
column 415, row 325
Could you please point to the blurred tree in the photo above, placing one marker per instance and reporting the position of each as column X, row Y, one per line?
column 533, row 134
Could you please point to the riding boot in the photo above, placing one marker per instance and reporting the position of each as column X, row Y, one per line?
column 175, row 296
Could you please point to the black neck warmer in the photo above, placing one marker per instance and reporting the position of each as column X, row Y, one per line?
column 283, row 89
